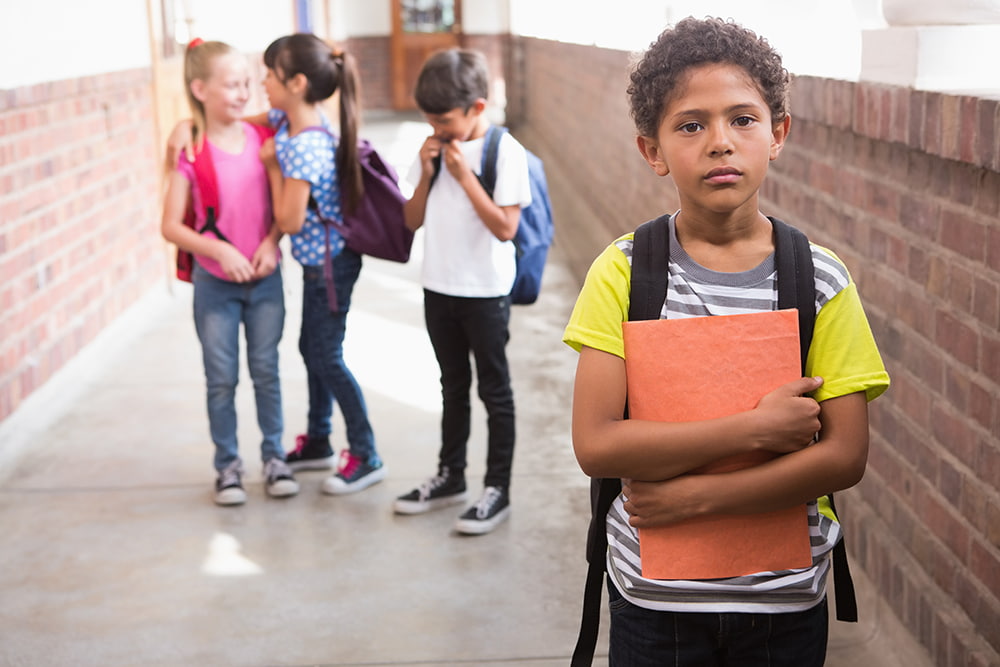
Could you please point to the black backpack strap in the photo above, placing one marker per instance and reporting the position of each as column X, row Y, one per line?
column 650, row 258
column 794, row 259
column 647, row 292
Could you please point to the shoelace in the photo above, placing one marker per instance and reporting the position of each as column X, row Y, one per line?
column 431, row 485
column 300, row 443
column 490, row 497
column 348, row 464
column 278, row 469
column 230, row 476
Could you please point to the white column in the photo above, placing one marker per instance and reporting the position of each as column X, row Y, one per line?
column 944, row 45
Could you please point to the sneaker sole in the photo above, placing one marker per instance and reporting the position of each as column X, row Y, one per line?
column 283, row 489
column 473, row 527
column 419, row 507
column 312, row 464
column 230, row 496
column 335, row 486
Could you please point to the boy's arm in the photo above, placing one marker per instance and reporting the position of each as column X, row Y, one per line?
column 500, row 220
column 606, row 445
column 837, row 461
column 232, row 261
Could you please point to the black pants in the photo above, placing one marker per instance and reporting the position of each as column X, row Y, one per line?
column 457, row 327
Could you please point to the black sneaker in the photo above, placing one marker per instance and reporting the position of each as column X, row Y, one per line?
column 279, row 480
column 311, row 453
column 439, row 491
column 492, row 509
column 229, row 485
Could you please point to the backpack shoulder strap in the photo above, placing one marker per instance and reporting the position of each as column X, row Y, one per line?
column 208, row 190
column 647, row 292
column 488, row 166
column 796, row 289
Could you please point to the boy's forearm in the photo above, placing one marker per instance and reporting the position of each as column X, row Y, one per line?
column 501, row 223
column 836, row 462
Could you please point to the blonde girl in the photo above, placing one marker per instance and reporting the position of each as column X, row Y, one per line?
column 236, row 275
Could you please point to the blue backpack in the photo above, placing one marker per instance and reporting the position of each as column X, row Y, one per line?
column 535, row 230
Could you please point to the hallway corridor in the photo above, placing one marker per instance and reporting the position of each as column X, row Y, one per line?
column 114, row 554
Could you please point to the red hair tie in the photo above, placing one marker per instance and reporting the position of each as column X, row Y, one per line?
column 197, row 41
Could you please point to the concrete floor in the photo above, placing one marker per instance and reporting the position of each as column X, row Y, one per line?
column 114, row 554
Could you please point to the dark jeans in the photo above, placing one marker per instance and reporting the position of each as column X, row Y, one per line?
column 321, row 343
column 457, row 327
column 646, row 638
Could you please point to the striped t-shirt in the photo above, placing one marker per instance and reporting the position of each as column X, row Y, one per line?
column 843, row 352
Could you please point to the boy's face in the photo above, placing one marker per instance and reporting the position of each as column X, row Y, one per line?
column 458, row 123
column 716, row 139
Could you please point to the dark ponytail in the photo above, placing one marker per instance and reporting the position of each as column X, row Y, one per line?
column 327, row 70
column 348, row 166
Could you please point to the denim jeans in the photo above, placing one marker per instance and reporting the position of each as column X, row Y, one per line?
column 321, row 343
column 219, row 309
column 457, row 327
column 647, row 638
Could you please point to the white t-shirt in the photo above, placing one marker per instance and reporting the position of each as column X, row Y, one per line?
column 462, row 257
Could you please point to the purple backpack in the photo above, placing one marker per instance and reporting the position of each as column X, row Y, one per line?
column 377, row 227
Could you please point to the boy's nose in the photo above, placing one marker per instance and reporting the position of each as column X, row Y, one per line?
column 720, row 143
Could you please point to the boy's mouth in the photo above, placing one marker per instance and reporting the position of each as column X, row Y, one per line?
column 723, row 175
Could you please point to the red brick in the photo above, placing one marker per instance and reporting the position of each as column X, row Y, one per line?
column 965, row 234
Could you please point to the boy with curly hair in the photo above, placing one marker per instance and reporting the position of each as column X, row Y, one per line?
column 709, row 101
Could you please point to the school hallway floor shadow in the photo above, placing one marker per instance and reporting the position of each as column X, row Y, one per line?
column 114, row 554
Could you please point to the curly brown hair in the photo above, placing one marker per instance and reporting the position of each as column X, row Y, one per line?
column 659, row 73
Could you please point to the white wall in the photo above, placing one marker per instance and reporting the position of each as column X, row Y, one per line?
column 820, row 37
column 51, row 40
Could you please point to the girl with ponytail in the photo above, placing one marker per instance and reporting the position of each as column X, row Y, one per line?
column 314, row 173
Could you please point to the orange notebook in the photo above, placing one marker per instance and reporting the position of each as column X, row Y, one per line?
column 702, row 368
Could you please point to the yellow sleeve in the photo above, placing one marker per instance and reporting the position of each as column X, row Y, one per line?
column 602, row 306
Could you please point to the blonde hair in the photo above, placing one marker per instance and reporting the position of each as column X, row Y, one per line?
column 198, row 59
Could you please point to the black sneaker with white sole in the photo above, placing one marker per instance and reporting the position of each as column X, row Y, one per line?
column 489, row 512
column 229, row 485
column 311, row 453
column 279, row 480
column 442, row 490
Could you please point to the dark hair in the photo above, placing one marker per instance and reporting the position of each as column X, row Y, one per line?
column 692, row 42
column 452, row 79
column 326, row 70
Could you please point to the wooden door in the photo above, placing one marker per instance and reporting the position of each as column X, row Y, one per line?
column 419, row 28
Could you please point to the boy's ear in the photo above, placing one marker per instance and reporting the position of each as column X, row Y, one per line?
column 650, row 149
column 779, row 135
column 479, row 106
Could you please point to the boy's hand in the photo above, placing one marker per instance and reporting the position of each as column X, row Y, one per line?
column 660, row 503
column 429, row 150
column 788, row 420
column 454, row 161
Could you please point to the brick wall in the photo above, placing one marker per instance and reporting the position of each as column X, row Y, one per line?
column 79, row 219
column 374, row 57
column 904, row 186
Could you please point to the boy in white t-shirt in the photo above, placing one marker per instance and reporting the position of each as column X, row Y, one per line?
column 467, row 274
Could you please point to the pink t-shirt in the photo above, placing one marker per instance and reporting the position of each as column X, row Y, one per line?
column 244, row 197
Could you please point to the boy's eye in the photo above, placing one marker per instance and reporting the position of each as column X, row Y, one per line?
column 689, row 128
column 743, row 121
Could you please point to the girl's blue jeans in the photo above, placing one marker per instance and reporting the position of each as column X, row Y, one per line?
column 321, row 343
column 647, row 638
column 220, row 307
